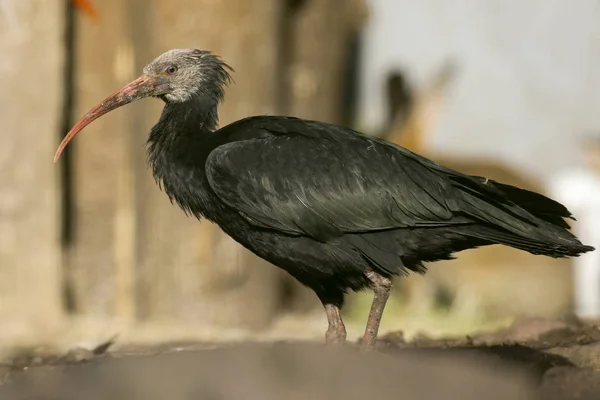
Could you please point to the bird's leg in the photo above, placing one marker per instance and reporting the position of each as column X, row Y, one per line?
column 382, row 287
column 336, row 332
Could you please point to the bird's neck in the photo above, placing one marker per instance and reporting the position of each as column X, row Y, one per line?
column 178, row 146
column 193, row 117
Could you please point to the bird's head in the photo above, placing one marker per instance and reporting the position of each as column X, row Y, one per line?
column 177, row 76
column 180, row 75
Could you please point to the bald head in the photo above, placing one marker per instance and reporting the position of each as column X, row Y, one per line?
column 182, row 74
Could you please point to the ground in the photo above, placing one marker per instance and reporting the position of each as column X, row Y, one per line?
column 534, row 358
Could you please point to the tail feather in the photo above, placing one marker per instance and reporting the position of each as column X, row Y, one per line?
column 516, row 217
column 572, row 248
column 539, row 205
column 542, row 219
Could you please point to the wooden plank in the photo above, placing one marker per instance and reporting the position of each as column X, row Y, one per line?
column 318, row 36
column 188, row 270
column 31, row 35
column 102, row 256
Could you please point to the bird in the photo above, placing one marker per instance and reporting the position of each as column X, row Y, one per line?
column 337, row 209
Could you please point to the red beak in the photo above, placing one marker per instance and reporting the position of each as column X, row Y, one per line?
column 139, row 88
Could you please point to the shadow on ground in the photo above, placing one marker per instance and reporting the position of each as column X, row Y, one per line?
column 532, row 359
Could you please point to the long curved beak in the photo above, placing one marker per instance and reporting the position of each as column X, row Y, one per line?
column 135, row 90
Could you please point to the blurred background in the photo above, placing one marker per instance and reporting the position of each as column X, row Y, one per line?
column 90, row 248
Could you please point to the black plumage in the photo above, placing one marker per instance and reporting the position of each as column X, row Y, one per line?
column 336, row 209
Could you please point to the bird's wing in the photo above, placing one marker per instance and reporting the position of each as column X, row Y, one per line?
column 323, row 181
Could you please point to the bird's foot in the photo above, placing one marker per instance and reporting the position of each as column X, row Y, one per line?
column 382, row 287
column 336, row 332
column 335, row 336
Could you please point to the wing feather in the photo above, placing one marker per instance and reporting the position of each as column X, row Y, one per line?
column 327, row 185
column 310, row 178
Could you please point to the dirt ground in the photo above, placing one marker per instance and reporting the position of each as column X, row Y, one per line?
column 532, row 359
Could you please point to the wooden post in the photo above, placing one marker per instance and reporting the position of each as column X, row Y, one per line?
column 190, row 270
column 31, row 40
column 318, row 36
column 102, row 256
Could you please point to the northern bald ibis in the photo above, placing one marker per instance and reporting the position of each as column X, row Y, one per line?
column 336, row 209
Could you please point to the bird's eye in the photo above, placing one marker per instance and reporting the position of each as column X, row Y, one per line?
column 171, row 69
